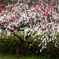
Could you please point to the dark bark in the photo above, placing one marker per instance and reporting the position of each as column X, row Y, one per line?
column 17, row 52
column 18, row 48
column 19, row 45
column 27, row 36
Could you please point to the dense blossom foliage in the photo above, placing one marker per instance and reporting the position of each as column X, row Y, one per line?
column 42, row 20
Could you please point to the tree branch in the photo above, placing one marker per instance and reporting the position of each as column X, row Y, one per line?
column 28, row 36
column 13, row 33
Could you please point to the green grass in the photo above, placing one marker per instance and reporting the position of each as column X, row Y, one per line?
column 13, row 56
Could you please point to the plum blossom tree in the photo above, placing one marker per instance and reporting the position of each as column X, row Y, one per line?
column 43, row 20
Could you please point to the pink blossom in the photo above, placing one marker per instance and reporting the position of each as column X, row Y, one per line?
column 24, row 12
column 11, row 16
column 42, row 24
column 20, row 10
column 21, row 4
column 17, row 13
column 12, row 11
column 25, row 24
column 7, row 7
column 1, row 9
column 46, row 13
column 4, row 5
column 31, row 19
column 35, row 8
column 15, row 6
column 17, row 17
column 48, row 5
column 31, row 5
column 7, row 14
column 5, row 19
column 51, row 13
column 0, row 14
column 52, row 1
column 56, row 3
column 13, row 28
column 54, row 14
column 39, row 5
column 36, row 14
column 0, row 25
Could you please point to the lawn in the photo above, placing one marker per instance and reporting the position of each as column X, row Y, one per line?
column 13, row 56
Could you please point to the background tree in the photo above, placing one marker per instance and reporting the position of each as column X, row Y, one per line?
column 43, row 20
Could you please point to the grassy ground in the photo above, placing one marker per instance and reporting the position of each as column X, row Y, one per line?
column 13, row 56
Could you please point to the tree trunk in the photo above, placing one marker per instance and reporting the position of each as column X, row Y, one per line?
column 18, row 48
column 17, row 52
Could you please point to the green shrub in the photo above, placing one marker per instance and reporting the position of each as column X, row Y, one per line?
column 9, row 45
column 51, row 51
column 28, row 47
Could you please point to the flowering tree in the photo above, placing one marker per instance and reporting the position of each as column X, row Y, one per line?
column 41, row 19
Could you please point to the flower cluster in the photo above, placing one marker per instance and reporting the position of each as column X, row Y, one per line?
column 44, row 19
